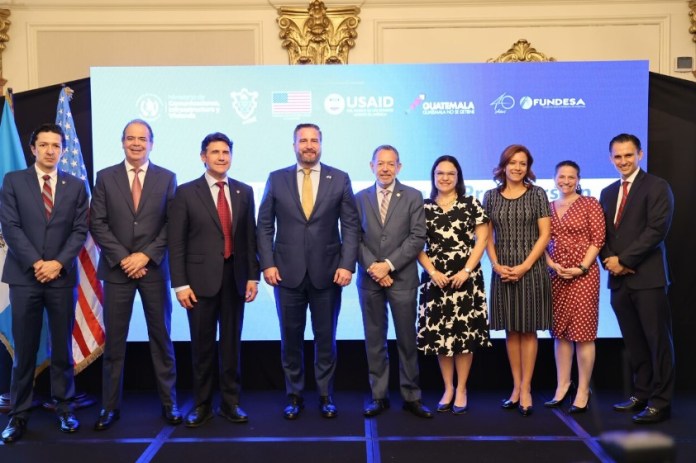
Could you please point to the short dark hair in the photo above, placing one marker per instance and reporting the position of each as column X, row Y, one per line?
column 505, row 156
column 388, row 148
column 141, row 122
column 47, row 127
column 623, row 138
column 305, row 125
column 459, row 187
column 574, row 165
column 215, row 136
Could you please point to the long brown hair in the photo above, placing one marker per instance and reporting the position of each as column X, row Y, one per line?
column 507, row 154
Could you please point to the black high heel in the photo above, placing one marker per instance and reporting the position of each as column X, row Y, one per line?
column 445, row 407
column 508, row 404
column 525, row 411
column 574, row 409
column 553, row 403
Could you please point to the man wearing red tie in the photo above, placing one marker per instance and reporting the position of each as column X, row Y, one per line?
column 43, row 212
column 214, row 270
column 638, row 211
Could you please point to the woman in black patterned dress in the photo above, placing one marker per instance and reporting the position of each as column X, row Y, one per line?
column 453, row 314
column 520, row 229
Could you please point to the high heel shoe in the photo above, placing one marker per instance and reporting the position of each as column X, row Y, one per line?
column 575, row 409
column 525, row 411
column 445, row 407
column 553, row 403
column 459, row 410
column 508, row 404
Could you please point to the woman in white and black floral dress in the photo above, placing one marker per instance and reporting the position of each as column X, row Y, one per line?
column 453, row 314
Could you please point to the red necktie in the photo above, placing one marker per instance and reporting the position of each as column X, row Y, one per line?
column 225, row 215
column 624, row 196
column 47, row 194
column 137, row 188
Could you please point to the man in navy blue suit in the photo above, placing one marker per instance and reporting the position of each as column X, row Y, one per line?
column 638, row 212
column 214, row 270
column 128, row 220
column 308, row 259
column 44, row 222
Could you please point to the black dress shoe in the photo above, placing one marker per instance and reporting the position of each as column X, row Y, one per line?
column 376, row 407
column 652, row 415
column 68, row 423
column 234, row 414
column 441, row 408
column 106, row 419
column 631, row 405
column 294, row 407
column 14, row 430
column 525, row 411
column 199, row 416
column 508, row 404
column 553, row 403
column 171, row 414
column 418, row 409
column 327, row 407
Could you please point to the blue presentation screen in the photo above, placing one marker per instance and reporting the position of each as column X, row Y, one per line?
column 472, row 111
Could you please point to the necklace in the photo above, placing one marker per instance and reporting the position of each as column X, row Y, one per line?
column 444, row 203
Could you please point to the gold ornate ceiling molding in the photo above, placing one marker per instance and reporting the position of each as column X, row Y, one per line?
column 692, row 15
column 318, row 35
column 521, row 51
column 4, row 38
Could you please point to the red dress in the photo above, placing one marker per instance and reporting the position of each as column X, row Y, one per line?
column 576, row 300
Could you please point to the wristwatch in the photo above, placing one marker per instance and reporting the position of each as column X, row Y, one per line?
column 583, row 269
column 467, row 270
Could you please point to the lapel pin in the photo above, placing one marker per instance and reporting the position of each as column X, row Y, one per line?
column 329, row 177
column 237, row 191
column 398, row 195
column 63, row 182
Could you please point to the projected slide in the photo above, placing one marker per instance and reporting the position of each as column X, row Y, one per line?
column 471, row 111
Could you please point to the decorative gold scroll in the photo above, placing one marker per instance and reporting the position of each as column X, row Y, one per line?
column 521, row 51
column 318, row 35
column 4, row 38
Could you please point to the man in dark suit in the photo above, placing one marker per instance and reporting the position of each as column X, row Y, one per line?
column 638, row 211
column 308, row 261
column 128, row 220
column 44, row 222
column 392, row 234
column 212, row 252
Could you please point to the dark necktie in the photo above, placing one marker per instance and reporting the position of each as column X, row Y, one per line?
column 47, row 194
column 225, row 215
column 624, row 197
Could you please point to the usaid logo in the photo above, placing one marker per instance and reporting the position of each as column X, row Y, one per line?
column 359, row 105
column 527, row 102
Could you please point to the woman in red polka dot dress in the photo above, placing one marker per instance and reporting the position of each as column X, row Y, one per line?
column 577, row 235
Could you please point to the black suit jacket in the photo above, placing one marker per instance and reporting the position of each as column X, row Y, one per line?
column 197, row 243
column 639, row 240
column 120, row 230
column 31, row 236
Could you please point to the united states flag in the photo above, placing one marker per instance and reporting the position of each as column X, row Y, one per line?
column 295, row 103
column 88, row 333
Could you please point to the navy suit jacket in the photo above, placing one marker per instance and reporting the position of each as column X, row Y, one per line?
column 400, row 239
column 299, row 246
column 31, row 236
column 120, row 230
column 639, row 240
column 197, row 242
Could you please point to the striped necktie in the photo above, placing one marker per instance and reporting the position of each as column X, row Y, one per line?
column 384, row 205
column 47, row 194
